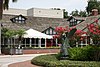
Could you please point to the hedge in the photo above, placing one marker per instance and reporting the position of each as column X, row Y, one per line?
column 87, row 53
column 52, row 61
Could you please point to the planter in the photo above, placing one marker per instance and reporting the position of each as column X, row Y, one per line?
column 12, row 51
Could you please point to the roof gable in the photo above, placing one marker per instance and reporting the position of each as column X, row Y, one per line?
column 16, row 19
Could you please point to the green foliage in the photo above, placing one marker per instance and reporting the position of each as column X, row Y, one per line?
column 7, row 33
column 83, row 14
column 71, row 33
column 20, row 33
column 93, row 4
column 79, row 13
column 43, row 60
column 75, row 13
column 88, row 53
column 6, row 3
column 52, row 61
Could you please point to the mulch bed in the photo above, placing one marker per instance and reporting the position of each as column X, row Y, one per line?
column 23, row 64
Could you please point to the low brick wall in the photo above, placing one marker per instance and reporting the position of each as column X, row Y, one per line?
column 38, row 51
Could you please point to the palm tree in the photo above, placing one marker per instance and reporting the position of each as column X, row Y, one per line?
column 20, row 33
column 3, row 4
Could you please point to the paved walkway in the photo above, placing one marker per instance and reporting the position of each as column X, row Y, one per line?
column 23, row 64
column 6, row 60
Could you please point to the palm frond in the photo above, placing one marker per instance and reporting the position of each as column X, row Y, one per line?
column 14, row 0
column 6, row 3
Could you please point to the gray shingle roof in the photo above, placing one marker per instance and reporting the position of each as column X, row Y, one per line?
column 37, row 23
column 89, row 20
column 40, row 24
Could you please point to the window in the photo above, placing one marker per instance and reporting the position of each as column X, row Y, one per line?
column 54, row 32
column 18, row 19
column 73, row 21
column 47, row 32
column 50, row 31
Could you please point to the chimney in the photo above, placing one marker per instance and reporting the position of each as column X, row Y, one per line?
column 94, row 12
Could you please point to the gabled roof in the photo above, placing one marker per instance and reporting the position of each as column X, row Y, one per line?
column 37, row 23
column 31, row 33
column 14, row 18
column 76, row 17
column 41, row 24
column 48, row 28
column 89, row 20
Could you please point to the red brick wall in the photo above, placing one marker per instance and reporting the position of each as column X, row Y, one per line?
column 37, row 51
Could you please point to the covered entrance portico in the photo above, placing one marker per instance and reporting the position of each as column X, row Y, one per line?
column 34, row 38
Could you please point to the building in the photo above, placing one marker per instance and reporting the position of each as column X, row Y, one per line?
column 13, row 11
column 46, row 23
column 42, row 20
column 35, row 12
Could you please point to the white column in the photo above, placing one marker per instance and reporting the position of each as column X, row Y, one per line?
column 39, row 42
column 0, row 34
column 45, row 42
column 76, row 44
column 11, row 42
column 14, row 41
column 86, row 41
column 35, row 42
column 56, row 41
column 3, row 40
column 25, row 42
column 81, row 43
column 91, row 41
column 30, row 42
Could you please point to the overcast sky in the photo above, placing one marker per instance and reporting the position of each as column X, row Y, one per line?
column 69, row 5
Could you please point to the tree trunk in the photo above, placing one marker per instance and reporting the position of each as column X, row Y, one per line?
column 1, row 8
column 1, row 11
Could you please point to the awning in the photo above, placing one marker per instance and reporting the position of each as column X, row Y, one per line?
column 31, row 33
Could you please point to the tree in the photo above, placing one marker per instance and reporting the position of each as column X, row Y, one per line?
column 94, row 31
column 83, row 13
column 3, row 4
column 93, row 4
column 65, row 34
column 1, row 9
column 75, row 13
column 20, row 33
column 79, row 13
column 65, row 13
column 8, row 34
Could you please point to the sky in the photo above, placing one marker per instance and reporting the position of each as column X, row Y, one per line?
column 69, row 5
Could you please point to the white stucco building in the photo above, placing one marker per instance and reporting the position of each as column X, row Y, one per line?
column 13, row 11
column 38, row 12
column 35, row 12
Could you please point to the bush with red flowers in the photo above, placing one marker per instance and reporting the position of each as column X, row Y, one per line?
column 94, row 32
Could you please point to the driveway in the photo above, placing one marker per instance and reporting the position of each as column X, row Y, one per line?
column 5, row 60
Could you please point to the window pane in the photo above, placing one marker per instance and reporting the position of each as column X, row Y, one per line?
column 16, row 18
column 47, row 32
column 23, row 19
column 50, row 31
column 54, row 32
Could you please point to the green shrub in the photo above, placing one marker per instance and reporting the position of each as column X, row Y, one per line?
column 87, row 53
column 52, row 61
